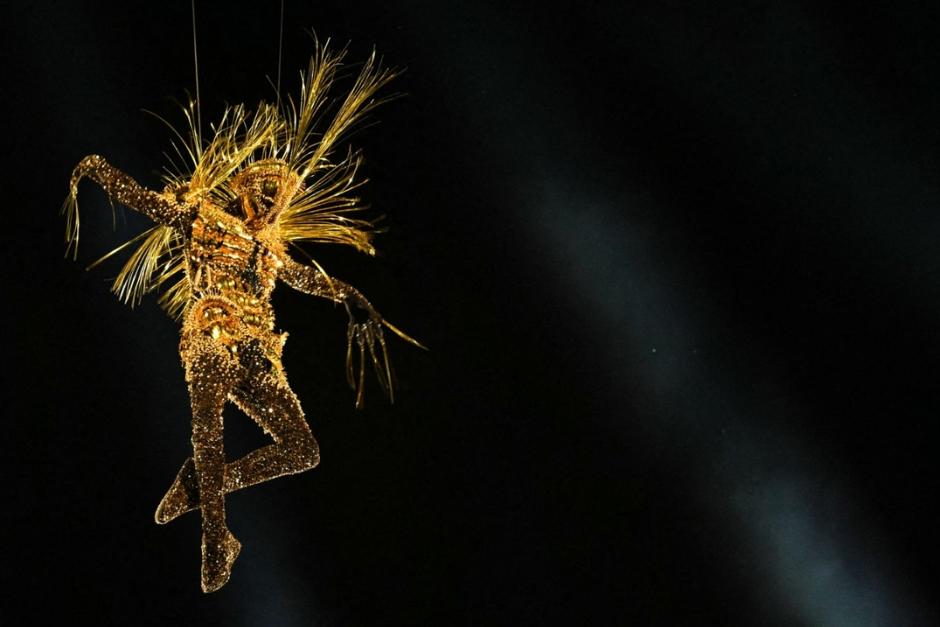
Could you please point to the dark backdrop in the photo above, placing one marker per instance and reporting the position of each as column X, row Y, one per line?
column 676, row 266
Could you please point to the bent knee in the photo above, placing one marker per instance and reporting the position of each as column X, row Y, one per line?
column 306, row 452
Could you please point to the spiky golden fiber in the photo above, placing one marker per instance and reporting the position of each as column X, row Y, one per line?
column 305, row 134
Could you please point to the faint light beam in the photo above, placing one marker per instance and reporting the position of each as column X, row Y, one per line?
column 823, row 562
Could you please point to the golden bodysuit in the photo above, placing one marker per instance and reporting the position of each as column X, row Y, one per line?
column 259, row 184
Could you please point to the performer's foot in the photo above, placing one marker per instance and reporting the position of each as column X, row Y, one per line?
column 217, row 560
column 182, row 496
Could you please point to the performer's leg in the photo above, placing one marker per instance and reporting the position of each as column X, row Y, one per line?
column 273, row 405
column 183, row 495
column 211, row 374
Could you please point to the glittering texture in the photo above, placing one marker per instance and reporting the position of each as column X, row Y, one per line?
column 264, row 180
column 161, row 208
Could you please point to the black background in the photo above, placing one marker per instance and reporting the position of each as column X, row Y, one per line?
column 676, row 265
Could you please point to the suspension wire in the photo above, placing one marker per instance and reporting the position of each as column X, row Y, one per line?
column 196, row 64
column 280, row 47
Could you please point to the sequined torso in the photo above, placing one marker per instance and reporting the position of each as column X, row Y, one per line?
column 232, row 273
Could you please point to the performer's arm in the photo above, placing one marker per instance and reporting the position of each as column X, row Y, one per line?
column 164, row 207
column 310, row 280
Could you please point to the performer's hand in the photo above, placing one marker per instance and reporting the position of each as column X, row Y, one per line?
column 364, row 334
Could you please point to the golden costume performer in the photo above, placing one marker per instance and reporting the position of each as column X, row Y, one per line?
column 264, row 180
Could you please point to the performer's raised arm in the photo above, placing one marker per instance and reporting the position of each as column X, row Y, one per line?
column 163, row 207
